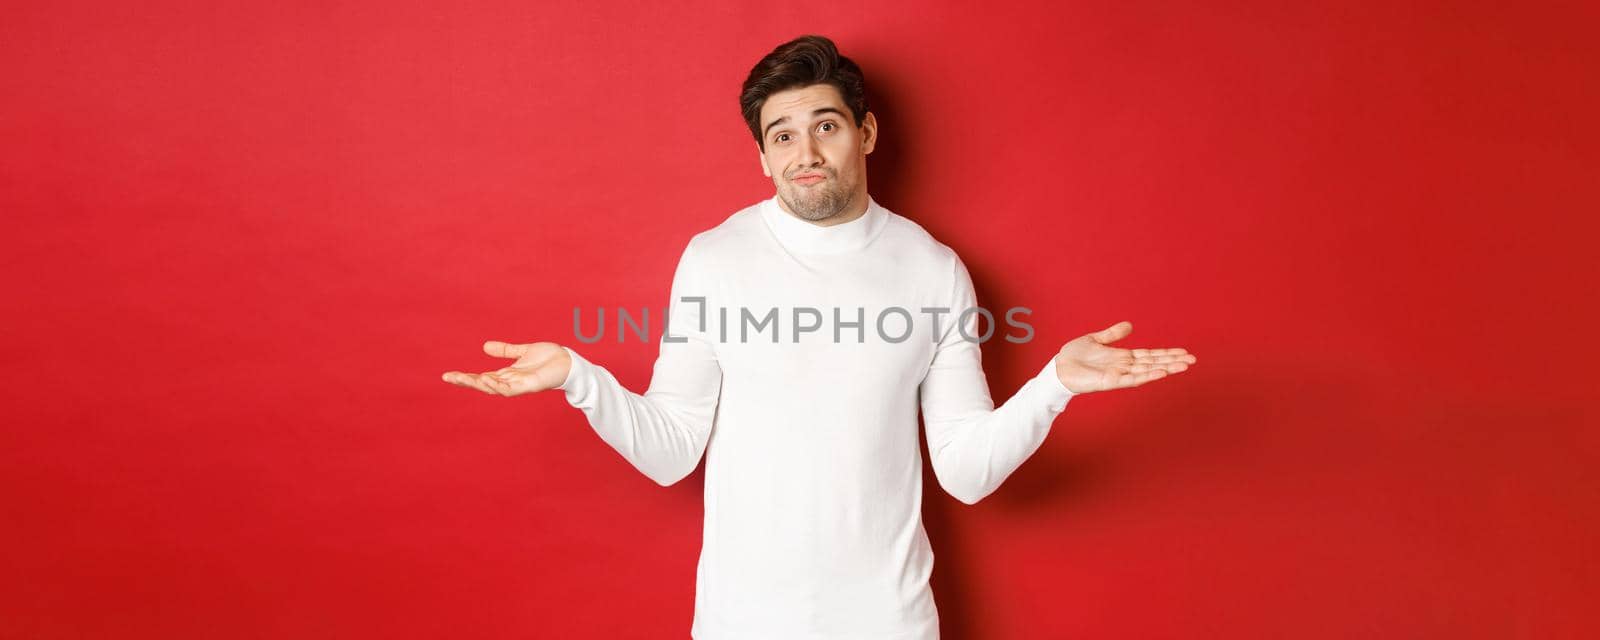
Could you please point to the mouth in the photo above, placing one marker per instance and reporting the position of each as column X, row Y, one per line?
column 809, row 178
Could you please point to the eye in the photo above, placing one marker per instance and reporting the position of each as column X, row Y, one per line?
column 830, row 125
column 780, row 137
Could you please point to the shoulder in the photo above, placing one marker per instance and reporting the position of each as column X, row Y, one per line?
column 911, row 242
column 938, row 265
column 725, row 241
column 731, row 233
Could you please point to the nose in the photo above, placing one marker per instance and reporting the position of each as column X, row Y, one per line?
column 810, row 154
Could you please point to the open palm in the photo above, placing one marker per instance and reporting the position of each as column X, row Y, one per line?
column 539, row 366
column 1088, row 364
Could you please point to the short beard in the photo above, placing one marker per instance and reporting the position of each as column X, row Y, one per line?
column 825, row 204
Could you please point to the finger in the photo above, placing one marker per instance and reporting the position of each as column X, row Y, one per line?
column 1156, row 373
column 1176, row 355
column 1113, row 333
column 459, row 378
column 1137, row 379
column 481, row 383
column 1140, row 367
column 467, row 380
column 500, row 349
column 511, row 376
column 496, row 385
column 1154, row 359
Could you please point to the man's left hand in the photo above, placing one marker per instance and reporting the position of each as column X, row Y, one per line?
column 1087, row 364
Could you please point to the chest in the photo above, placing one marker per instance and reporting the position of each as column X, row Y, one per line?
column 864, row 324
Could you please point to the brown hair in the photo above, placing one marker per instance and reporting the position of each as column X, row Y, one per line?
column 799, row 63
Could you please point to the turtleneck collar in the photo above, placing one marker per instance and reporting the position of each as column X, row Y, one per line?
column 800, row 236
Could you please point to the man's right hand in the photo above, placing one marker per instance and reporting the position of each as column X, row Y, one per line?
column 539, row 366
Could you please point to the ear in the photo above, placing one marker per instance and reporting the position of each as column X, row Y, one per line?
column 869, row 133
column 762, row 158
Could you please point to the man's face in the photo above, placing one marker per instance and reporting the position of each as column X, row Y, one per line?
column 815, row 154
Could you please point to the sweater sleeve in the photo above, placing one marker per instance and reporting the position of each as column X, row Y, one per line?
column 975, row 446
column 663, row 432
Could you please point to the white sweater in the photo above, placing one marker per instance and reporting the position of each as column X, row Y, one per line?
column 813, row 488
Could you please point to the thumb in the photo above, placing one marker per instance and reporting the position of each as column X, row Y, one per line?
column 1113, row 333
column 500, row 349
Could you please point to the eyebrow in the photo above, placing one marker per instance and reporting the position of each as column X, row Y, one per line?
column 814, row 114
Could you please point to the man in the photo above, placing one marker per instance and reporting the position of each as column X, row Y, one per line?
column 813, row 487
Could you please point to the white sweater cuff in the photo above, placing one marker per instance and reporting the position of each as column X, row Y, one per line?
column 1049, row 382
column 576, row 373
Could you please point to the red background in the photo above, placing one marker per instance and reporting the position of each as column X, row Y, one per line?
column 242, row 242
